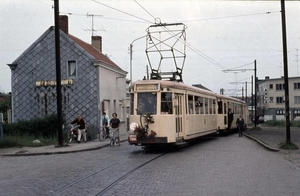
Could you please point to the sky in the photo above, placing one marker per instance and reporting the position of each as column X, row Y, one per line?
column 220, row 35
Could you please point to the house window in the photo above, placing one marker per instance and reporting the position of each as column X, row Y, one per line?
column 271, row 99
column 297, row 85
column 72, row 69
column 270, row 86
column 279, row 99
column 279, row 87
column 280, row 112
column 297, row 99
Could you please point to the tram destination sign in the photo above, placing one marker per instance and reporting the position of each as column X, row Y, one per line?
column 148, row 87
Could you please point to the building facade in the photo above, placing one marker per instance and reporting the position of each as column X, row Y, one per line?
column 90, row 82
column 271, row 98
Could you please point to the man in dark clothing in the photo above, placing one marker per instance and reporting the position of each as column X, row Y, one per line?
column 240, row 124
column 230, row 118
column 81, row 129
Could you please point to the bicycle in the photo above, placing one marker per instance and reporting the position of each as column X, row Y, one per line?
column 112, row 138
column 102, row 134
column 73, row 134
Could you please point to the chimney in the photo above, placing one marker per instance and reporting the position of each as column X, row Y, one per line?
column 97, row 42
column 64, row 24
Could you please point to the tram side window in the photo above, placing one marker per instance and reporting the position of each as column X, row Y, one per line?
column 220, row 107
column 210, row 106
column 214, row 106
column 206, row 105
column 198, row 105
column 131, row 103
column 146, row 103
column 190, row 104
column 166, row 103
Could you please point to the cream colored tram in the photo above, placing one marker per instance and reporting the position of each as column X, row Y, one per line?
column 166, row 112
column 237, row 106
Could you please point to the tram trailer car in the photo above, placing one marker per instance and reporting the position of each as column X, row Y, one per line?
column 171, row 113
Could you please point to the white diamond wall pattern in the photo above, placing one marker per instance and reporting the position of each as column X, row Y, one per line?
column 39, row 64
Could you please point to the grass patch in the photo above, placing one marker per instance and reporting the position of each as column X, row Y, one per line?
column 286, row 146
column 21, row 141
column 256, row 129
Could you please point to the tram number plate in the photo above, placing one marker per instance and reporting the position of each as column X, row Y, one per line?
column 132, row 138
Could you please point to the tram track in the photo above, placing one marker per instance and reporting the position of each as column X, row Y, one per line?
column 98, row 174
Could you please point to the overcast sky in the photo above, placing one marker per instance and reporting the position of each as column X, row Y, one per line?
column 220, row 35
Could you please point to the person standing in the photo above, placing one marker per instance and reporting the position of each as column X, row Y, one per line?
column 81, row 129
column 256, row 120
column 115, row 124
column 240, row 124
column 230, row 118
column 104, row 122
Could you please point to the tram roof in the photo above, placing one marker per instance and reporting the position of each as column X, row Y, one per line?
column 177, row 85
column 172, row 84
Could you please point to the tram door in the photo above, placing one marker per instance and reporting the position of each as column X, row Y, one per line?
column 178, row 106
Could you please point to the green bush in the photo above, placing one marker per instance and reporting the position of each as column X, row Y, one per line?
column 276, row 123
column 281, row 123
column 38, row 127
column 25, row 140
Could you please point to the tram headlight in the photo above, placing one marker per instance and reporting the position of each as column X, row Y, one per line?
column 133, row 126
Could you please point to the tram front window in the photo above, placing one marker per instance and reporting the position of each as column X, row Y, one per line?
column 166, row 103
column 146, row 103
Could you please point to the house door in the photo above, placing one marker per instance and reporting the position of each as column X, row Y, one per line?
column 178, row 104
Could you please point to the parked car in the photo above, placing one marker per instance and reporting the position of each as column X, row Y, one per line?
column 297, row 118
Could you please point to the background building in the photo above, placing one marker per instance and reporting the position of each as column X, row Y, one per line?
column 271, row 98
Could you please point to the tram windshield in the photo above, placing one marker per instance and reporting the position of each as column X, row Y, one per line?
column 147, row 103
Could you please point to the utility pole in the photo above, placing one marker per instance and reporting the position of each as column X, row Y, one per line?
column 252, row 98
column 245, row 88
column 58, row 73
column 253, row 83
column 286, row 78
column 130, row 52
column 255, row 90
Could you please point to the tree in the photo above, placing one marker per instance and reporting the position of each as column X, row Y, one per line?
column 5, row 104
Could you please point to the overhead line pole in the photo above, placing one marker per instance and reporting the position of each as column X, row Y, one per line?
column 58, row 74
column 131, row 51
column 286, row 78
column 255, row 91
column 253, row 83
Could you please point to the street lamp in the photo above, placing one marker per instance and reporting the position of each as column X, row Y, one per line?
column 130, row 50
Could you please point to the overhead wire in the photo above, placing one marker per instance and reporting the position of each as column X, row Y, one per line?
column 206, row 57
column 121, row 11
column 234, row 16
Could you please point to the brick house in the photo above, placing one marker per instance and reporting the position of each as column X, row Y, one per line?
column 91, row 82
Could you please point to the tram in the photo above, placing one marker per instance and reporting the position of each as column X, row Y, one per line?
column 171, row 113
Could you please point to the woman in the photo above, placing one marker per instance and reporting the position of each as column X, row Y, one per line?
column 115, row 124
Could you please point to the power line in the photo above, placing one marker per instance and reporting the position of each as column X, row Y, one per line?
column 122, row 11
column 244, row 15
column 145, row 9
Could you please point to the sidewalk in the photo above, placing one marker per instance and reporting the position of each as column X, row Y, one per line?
column 51, row 149
column 270, row 137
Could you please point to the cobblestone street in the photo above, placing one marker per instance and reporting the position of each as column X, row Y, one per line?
column 273, row 136
column 227, row 165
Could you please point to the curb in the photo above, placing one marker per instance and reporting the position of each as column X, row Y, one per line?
column 60, row 152
column 261, row 143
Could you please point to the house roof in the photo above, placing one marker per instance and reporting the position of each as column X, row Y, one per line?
column 93, row 51
column 88, row 48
